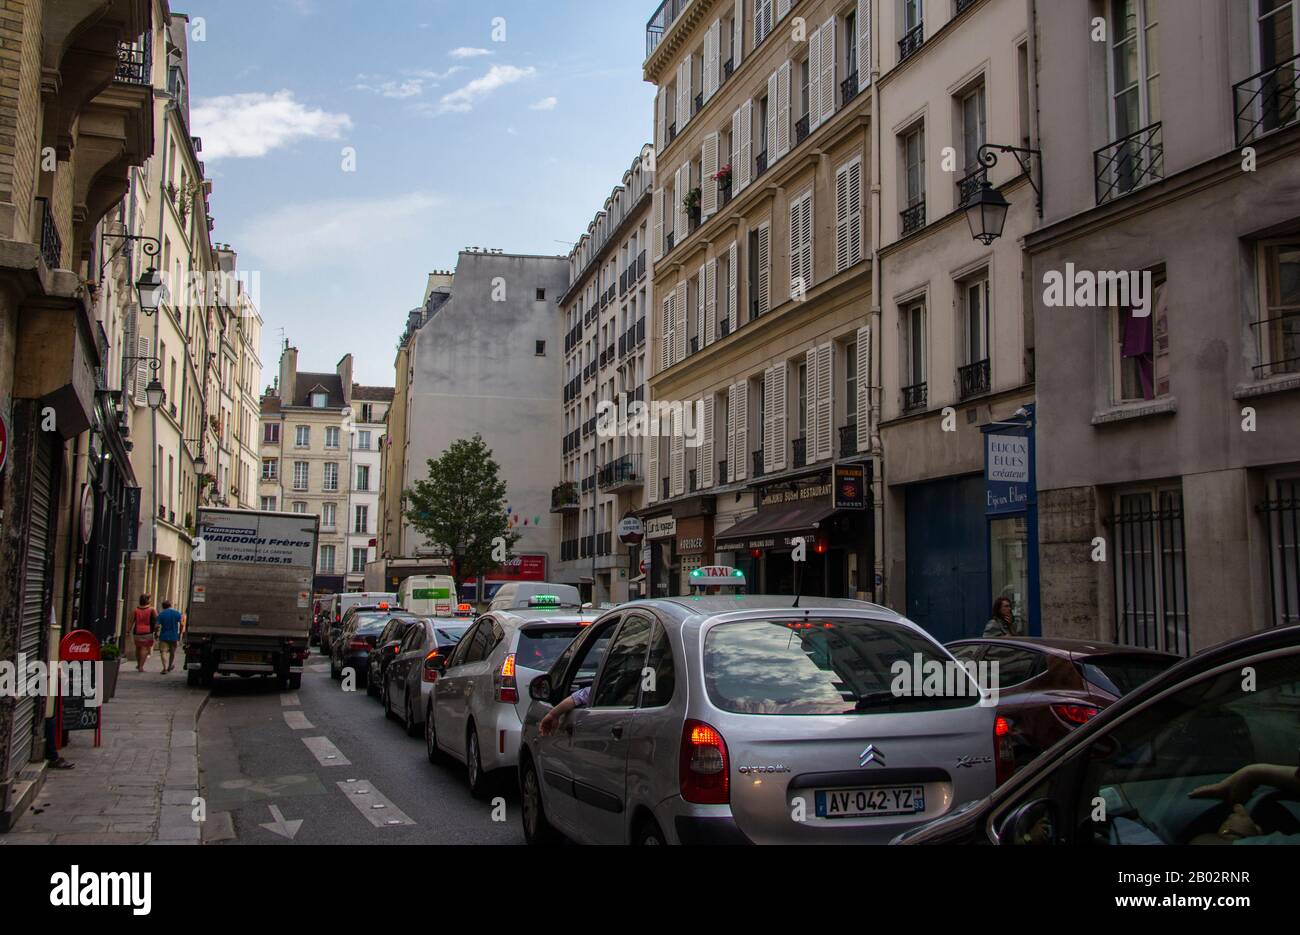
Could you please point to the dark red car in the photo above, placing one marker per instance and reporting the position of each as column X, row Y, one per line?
column 1047, row 687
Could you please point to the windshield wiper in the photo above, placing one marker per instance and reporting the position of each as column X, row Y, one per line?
column 875, row 699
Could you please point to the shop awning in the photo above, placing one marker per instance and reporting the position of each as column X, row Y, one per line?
column 768, row 528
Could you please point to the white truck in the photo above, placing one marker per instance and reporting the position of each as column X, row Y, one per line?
column 250, row 608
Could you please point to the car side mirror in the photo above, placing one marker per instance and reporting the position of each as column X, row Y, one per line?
column 1034, row 822
column 540, row 689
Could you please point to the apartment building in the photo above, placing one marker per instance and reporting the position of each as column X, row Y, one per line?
column 763, row 317
column 370, row 406
column 239, row 374
column 957, row 341
column 1168, row 417
column 605, row 311
column 483, row 356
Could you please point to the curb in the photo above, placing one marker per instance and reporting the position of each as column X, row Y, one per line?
column 176, row 824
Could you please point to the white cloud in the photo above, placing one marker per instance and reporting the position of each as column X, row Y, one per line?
column 322, row 234
column 429, row 75
column 254, row 123
column 465, row 52
column 546, row 103
column 409, row 88
column 498, row 76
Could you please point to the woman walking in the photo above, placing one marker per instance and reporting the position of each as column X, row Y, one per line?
column 144, row 621
column 1002, row 623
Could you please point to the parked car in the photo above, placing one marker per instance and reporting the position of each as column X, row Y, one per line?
column 476, row 708
column 408, row 681
column 385, row 649
column 762, row 722
column 1048, row 687
column 1161, row 760
column 355, row 641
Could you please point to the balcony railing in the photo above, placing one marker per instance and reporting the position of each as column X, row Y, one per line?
column 724, row 194
column 799, row 448
column 969, row 186
column 1281, row 336
column 564, row 497
column 962, row 6
column 51, row 243
column 760, row 164
column 135, row 62
column 801, row 130
column 661, row 22
column 722, row 471
column 664, row 492
column 849, row 88
column 691, row 485
column 668, row 242
column 911, row 42
column 695, row 344
column 1129, row 163
column 672, row 131
column 973, row 379
column 757, row 457
column 914, row 397
column 848, row 440
column 724, row 327
column 913, row 217
column 622, row 473
column 728, row 67
column 1266, row 101
column 699, row 103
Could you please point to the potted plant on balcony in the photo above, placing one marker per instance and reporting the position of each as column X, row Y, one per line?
column 110, row 654
column 723, row 177
column 692, row 205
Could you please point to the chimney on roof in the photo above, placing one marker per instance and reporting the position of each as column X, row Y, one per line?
column 344, row 370
column 288, row 372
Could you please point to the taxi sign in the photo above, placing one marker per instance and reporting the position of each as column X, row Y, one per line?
column 543, row 600
column 464, row 610
column 707, row 576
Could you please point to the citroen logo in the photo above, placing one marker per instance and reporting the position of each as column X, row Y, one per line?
column 872, row 754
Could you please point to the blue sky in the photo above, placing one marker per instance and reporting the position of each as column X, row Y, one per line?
column 459, row 140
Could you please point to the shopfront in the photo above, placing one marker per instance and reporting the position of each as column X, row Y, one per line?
column 677, row 540
column 1011, row 515
column 826, row 511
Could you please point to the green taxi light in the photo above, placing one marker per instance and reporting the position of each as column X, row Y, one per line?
column 544, row 600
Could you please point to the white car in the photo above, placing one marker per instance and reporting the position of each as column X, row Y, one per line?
column 480, row 696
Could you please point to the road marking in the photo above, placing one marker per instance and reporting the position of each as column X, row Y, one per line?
column 373, row 805
column 278, row 825
column 289, row 698
column 325, row 752
column 297, row 720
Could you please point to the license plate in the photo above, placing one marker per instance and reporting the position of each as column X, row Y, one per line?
column 248, row 657
column 872, row 801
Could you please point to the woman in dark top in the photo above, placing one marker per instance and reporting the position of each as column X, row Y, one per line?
column 1002, row 622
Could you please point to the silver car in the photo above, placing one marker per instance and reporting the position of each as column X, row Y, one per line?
column 478, row 701
column 409, row 676
column 733, row 719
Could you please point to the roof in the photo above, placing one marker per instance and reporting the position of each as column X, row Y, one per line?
column 379, row 394
column 307, row 383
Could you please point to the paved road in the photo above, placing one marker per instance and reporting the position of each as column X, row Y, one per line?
column 327, row 758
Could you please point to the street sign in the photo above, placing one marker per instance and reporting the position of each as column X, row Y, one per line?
column 630, row 529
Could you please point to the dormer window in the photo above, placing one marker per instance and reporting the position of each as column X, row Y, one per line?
column 320, row 400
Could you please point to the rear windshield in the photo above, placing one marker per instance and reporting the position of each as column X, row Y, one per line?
column 449, row 636
column 367, row 627
column 1119, row 675
column 829, row 666
column 539, row 647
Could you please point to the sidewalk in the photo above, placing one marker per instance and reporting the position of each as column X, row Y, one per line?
column 138, row 785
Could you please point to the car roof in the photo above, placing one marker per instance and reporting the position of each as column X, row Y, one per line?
column 1060, row 646
column 518, row 616
column 713, row 605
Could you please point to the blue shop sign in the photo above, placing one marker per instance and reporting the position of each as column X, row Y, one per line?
column 1007, row 475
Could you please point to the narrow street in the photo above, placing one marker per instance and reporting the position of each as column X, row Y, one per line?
column 328, row 759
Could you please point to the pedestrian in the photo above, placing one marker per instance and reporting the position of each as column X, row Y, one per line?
column 169, row 634
column 144, row 621
column 1002, row 623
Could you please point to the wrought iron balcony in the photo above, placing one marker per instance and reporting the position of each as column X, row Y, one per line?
column 672, row 131
column 848, row 440
column 911, row 42
column 661, row 22
column 799, row 448
column 722, row 471
column 724, row 327
column 728, row 67
column 1280, row 336
column 695, row 344
column 1129, row 163
column 664, row 493
column 135, row 62
column 757, row 457
column 691, row 486
column 801, row 130
column 849, row 88
column 699, row 103
column 969, row 186
column 724, row 194
column 623, row 473
column 1266, row 101
column 973, row 379
column 640, row 264
column 914, row 397
column 962, row 6
column 760, row 164
column 913, row 217
column 668, row 242
column 51, row 243
column 640, row 329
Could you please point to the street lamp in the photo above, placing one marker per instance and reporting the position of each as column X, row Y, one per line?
column 986, row 210
column 154, row 393
column 152, row 290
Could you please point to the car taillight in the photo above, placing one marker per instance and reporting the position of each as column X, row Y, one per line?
column 703, row 766
column 430, row 671
column 1004, row 754
column 358, row 644
column 1075, row 714
column 507, row 690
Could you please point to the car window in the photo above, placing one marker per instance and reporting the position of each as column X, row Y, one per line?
column 413, row 639
column 967, row 652
column 620, row 676
column 1160, row 775
column 1015, row 664
column 590, row 651
column 449, row 635
column 658, row 680
column 839, row 665
column 1119, row 674
column 479, row 641
column 462, row 648
column 540, row 646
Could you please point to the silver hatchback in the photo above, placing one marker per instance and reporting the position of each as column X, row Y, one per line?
column 734, row 719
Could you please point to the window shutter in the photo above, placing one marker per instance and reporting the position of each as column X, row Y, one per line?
column 814, row 79
column 661, row 119
column 777, row 406
column 676, row 457
column 810, row 405
column 679, row 322
column 657, row 214
column 710, row 303
column 738, row 35
column 733, row 258
column 709, row 184
column 682, row 186
column 826, row 36
column 782, row 8
column 825, row 401
column 737, row 471
column 796, row 246
column 705, row 473
column 758, row 21
column 764, row 272
column 142, row 370
column 769, row 423
column 783, row 110
column 863, row 19
column 864, row 389
column 741, row 173
column 683, row 93
column 130, row 327
column 666, row 349
column 731, row 432
column 772, row 85
column 712, row 50
column 652, row 459
column 700, row 290
column 855, row 211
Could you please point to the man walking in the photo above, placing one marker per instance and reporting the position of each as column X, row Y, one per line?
column 169, row 634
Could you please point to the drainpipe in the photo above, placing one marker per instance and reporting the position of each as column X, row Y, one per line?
column 876, row 389
column 155, row 467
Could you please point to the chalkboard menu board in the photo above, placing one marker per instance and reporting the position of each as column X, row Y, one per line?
column 77, row 715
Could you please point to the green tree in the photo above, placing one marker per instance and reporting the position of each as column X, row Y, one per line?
column 461, row 508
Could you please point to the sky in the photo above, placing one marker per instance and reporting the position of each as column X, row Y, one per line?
column 356, row 145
